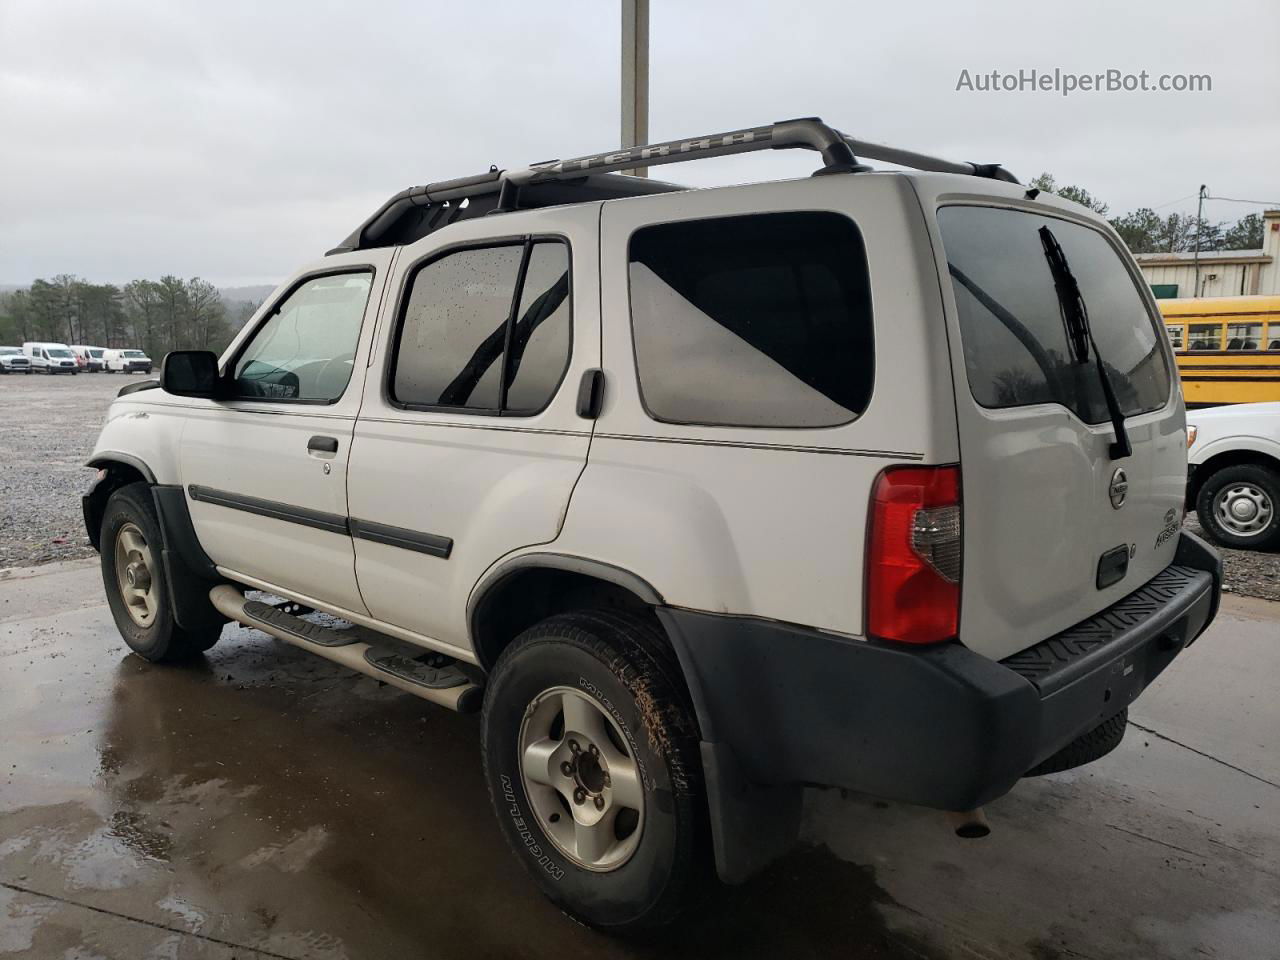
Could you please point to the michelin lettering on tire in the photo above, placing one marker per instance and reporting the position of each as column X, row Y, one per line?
column 531, row 844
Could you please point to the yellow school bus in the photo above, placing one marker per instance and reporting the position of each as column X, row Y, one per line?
column 1228, row 348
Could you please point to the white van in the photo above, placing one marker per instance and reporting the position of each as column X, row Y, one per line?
column 51, row 357
column 89, row 358
column 127, row 361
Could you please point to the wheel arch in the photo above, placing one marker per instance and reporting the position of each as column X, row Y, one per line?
column 118, row 470
column 1232, row 457
column 531, row 587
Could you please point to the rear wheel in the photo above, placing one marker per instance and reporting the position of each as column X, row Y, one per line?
column 591, row 754
column 136, row 584
column 1239, row 506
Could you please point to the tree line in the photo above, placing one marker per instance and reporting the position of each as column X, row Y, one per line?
column 1145, row 231
column 155, row 316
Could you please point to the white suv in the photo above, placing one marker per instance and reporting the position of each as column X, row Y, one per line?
column 702, row 495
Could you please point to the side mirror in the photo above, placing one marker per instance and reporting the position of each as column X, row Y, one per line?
column 191, row 373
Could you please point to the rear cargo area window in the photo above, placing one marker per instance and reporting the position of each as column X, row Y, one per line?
column 755, row 321
column 1016, row 343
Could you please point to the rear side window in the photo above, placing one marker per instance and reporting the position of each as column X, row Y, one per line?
column 1016, row 349
column 754, row 321
column 486, row 330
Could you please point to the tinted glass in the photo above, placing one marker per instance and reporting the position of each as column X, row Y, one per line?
column 540, row 337
column 454, row 330
column 306, row 349
column 753, row 321
column 1015, row 342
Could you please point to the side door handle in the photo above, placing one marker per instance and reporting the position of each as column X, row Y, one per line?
column 323, row 445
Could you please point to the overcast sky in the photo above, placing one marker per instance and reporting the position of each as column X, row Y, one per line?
column 238, row 140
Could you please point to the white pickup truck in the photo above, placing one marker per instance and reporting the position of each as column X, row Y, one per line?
column 1233, row 470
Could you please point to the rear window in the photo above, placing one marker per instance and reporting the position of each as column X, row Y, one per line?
column 752, row 321
column 1016, row 349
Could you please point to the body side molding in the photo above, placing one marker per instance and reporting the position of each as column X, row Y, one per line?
column 332, row 522
column 429, row 543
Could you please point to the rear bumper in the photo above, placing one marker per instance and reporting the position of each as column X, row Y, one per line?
column 940, row 726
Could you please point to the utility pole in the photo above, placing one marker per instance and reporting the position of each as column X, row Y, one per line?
column 1199, row 220
column 635, row 77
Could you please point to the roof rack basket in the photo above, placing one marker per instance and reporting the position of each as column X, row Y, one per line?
column 439, row 204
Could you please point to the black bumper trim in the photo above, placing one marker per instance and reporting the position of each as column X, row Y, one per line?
column 940, row 726
column 1065, row 657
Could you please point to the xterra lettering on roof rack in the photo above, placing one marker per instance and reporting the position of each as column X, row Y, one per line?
column 413, row 213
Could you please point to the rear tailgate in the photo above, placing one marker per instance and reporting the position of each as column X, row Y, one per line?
column 1054, row 529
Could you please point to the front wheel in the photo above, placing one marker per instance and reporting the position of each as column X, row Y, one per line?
column 591, row 756
column 1239, row 506
column 135, row 580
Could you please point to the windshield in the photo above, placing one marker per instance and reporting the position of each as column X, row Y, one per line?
column 1017, row 349
column 59, row 352
column 95, row 354
column 134, row 353
column 9, row 351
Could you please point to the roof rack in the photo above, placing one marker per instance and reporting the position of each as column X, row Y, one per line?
column 418, row 211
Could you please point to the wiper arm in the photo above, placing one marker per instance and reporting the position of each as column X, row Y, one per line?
column 1075, row 316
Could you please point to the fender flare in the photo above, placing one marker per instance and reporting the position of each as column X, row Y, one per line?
column 598, row 569
column 105, row 458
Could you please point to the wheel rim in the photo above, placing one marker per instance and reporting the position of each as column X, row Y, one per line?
column 581, row 778
column 1243, row 509
column 134, row 579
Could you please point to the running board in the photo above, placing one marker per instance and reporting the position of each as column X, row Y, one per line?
column 436, row 680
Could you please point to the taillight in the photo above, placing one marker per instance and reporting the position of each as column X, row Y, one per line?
column 913, row 556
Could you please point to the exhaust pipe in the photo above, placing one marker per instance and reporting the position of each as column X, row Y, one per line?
column 969, row 824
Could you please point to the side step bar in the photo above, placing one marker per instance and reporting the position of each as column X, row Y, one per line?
column 430, row 681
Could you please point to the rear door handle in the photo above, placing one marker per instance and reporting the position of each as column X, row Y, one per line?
column 323, row 445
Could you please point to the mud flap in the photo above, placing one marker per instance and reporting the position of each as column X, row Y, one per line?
column 751, row 825
column 188, row 570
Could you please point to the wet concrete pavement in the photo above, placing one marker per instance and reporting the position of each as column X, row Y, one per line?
column 265, row 803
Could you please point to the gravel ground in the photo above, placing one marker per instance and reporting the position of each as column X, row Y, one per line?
column 48, row 426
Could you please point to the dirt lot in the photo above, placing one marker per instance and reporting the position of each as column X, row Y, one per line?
column 48, row 426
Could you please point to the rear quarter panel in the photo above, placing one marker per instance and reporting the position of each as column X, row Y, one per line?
column 766, row 522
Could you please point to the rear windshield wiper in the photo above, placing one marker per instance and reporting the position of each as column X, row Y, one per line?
column 1075, row 317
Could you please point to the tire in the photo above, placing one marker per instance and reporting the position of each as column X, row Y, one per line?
column 1093, row 745
column 144, row 617
column 1239, row 506
column 617, row 669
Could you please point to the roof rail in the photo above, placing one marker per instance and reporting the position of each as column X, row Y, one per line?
column 507, row 187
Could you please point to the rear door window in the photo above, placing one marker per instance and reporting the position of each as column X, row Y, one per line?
column 754, row 321
column 486, row 329
column 1015, row 342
